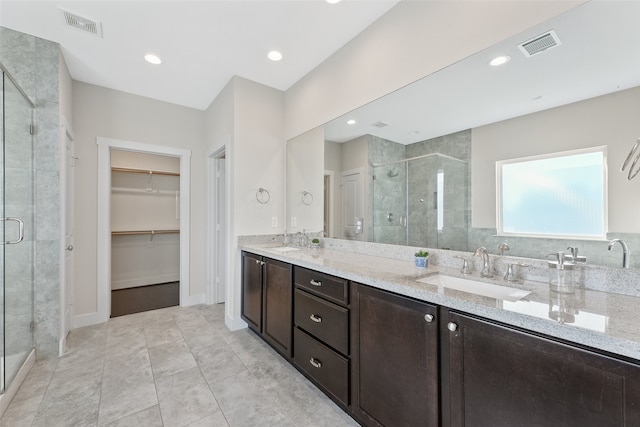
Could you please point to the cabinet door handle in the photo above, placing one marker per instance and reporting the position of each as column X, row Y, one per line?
column 428, row 317
column 257, row 261
column 315, row 318
column 315, row 283
column 315, row 362
column 452, row 326
column 262, row 263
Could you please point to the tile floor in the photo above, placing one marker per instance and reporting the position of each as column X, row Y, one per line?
column 177, row 366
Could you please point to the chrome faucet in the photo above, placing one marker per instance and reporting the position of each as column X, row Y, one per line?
column 503, row 247
column 625, row 251
column 482, row 251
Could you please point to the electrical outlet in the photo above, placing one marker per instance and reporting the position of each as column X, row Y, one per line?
column 274, row 222
column 294, row 221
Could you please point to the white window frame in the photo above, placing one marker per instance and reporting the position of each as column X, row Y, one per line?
column 499, row 205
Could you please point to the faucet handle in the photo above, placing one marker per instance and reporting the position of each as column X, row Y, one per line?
column 466, row 269
column 510, row 276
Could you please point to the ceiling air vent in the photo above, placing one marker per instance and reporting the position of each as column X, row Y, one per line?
column 380, row 124
column 540, row 43
column 81, row 23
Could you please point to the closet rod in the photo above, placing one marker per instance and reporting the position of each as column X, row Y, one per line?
column 139, row 232
column 145, row 171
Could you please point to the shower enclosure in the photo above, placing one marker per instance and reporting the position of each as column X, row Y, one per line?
column 422, row 201
column 17, row 227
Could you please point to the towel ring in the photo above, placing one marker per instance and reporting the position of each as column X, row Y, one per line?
column 632, row 174
column 262, row 196
column 307, row 198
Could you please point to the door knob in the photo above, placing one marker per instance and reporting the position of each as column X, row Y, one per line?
column 69, row 248
column 428, row 317
column 452, row 326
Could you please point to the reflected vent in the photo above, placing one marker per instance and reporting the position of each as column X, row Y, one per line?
column 539, row 44
column 380, row 124
column 81, row 23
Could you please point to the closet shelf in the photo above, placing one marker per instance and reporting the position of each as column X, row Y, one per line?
column 145, row 171
column 141, row 232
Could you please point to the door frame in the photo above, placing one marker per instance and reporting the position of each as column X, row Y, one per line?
column 216, row 292
column 66, row 209
column 105, row 145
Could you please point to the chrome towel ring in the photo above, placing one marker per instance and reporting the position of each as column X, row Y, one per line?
column 307, row 198
column 262, row 196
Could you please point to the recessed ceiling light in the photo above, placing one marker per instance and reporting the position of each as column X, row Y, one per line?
column 333, row 1
column 152, row 59
column 414, row 132
column 274, row 55
column 351, row 122
column 499, row 60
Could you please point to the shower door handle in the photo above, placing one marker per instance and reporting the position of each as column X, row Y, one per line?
column 20, row 231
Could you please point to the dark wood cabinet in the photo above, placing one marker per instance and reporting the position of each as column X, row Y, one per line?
column 321, row 333
column 391, row 360
column 394, row 353
column 251, row 311
column 267, row 300
column 494, row 375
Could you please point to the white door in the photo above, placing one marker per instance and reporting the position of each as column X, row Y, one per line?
column 352, row 205
column 67, row 293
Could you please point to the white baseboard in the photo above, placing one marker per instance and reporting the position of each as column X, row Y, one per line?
column 234, row 323
column 144, row 281
column 87, row 319
column 193, row 300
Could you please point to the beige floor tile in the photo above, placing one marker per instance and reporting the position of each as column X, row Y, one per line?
column 171, row 358
column 149, row 417
column 185, row 398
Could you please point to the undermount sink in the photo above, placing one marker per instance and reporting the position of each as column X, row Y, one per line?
column 284, row 249
column 476, row 287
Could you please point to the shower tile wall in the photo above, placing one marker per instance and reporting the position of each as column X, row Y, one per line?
column 34, row 63
column 389, row 196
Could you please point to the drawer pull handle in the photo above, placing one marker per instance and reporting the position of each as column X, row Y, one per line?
column 315, row 362
column 315, row 283
column 315, row 318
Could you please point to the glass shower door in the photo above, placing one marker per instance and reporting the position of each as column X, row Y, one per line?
column 17, row 225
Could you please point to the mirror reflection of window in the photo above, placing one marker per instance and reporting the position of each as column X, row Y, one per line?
column 559, row 195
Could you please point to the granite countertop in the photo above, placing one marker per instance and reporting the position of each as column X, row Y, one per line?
column 601, row 320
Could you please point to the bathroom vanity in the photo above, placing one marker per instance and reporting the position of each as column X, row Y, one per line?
column 392, row 350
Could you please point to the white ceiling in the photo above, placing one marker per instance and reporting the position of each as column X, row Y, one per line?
column 599, row 54
column 203, row 43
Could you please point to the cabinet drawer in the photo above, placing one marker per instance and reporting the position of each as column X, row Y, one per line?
column 328, row 368
column 330, row 287
column 324, row 320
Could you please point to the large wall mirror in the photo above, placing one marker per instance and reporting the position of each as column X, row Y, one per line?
column 418, row 166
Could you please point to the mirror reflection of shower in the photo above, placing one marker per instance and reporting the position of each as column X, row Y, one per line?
column 421, row 201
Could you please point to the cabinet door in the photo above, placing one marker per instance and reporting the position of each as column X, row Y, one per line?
column 252, row 290
column 277, row 308
column 395, row 359
column 499, row 376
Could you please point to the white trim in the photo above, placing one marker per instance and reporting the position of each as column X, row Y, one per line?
column 10, row 392
column 66, row 133
column 87, row 319
column 234, row 323
column 103, row 229
column 216, row 294
column 193, row 300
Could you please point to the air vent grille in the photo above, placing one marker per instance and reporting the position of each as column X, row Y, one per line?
column 380, row 124
column 540, row 43
column 81, row 23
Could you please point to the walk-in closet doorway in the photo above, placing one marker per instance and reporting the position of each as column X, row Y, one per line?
column 145, row 232
column 116, row 189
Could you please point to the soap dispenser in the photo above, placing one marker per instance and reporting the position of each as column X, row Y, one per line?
column 561, row 274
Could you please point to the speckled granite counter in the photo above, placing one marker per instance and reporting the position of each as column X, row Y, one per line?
column 601, row 320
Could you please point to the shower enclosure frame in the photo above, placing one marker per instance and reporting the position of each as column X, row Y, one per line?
column 17, row 354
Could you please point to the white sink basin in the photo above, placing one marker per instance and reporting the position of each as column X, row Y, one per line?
column 284, row 249
column 475, row 287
